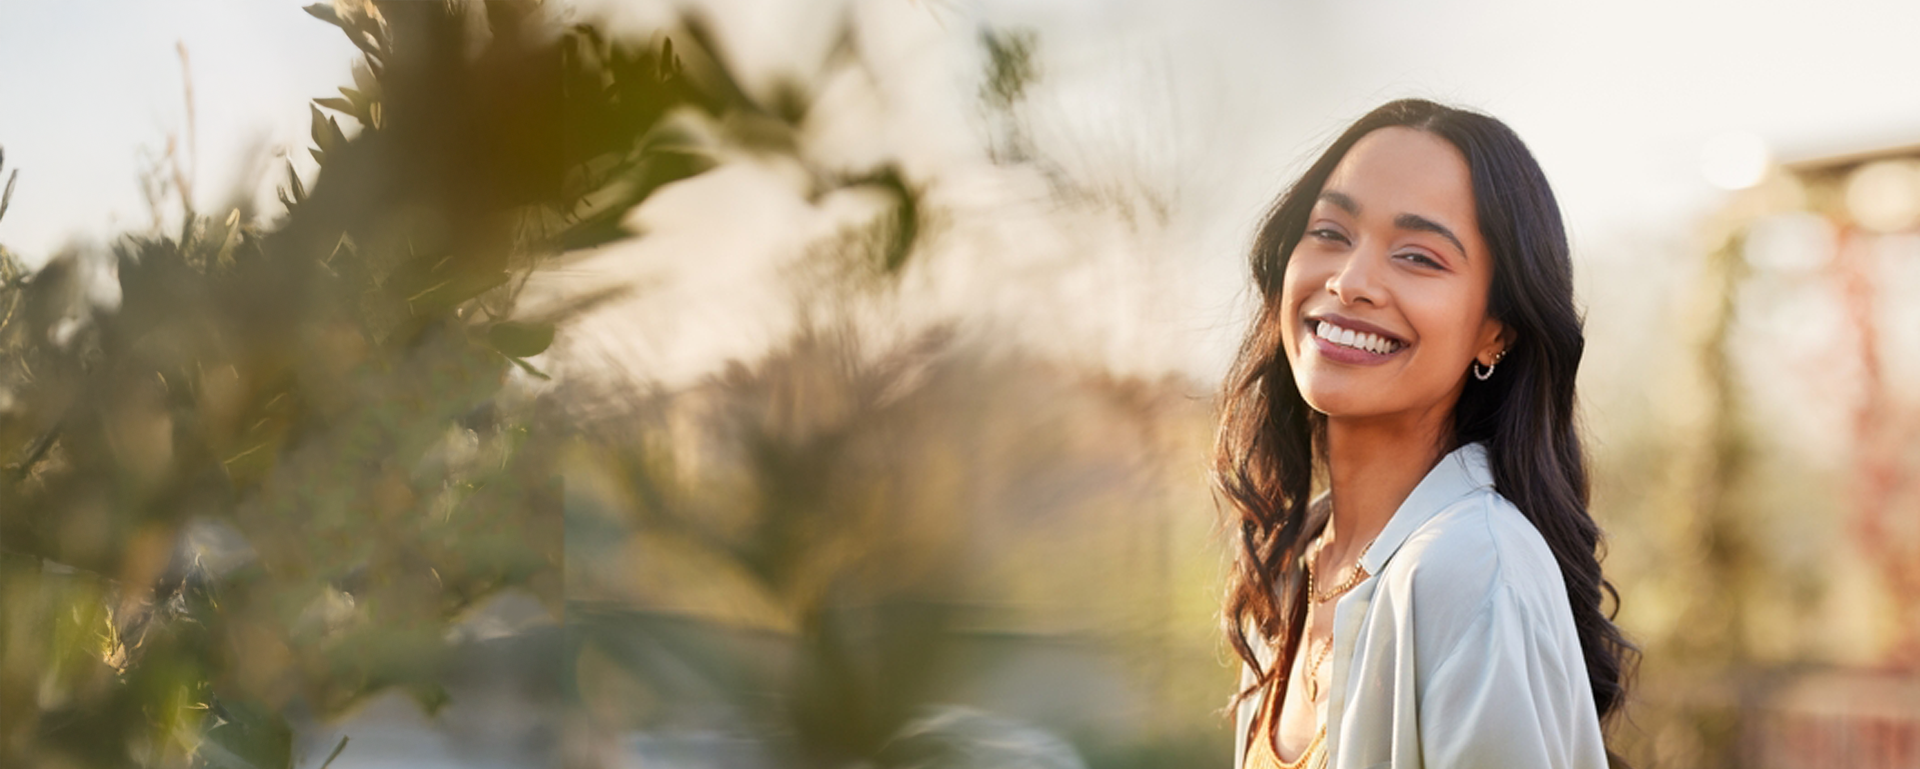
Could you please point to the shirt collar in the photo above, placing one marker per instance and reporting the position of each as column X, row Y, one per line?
column 1461, row 471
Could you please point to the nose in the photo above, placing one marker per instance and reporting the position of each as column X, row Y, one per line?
column 1356, row 279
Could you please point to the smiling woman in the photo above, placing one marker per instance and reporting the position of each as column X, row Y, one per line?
column 1380, row 266
column 1443, row 583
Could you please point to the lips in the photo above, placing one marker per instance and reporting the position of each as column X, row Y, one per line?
column 1354, row 341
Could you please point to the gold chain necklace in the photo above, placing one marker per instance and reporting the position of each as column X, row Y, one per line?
column 1355, row 575
column 1317, row 657
column 1313, row 670
column 1315, row 754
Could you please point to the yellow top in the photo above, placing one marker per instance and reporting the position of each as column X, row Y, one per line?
column 1261, row 755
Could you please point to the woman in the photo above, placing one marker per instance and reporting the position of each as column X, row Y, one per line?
column 1439, row 602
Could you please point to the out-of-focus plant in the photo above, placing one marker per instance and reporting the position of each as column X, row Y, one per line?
column 1885, row 433
column 1736, row 675
column 275, row 477
column 837, row 553
column 790, row 514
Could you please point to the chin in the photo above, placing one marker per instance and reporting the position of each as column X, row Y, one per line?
column 1337, row 408
column 1340, row 399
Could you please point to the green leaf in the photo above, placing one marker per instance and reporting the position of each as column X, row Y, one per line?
column 368, row 43
column 519, row 340
column 6, row 199
column 319, row 129
column 904, row 228
column 293, row 179
column 665, row 165
column 246, row 735
column 324, row 12
column 334, row 134
column 337, row 103
column 602, row 225
column 362, row 102
column 528, row 367
column 336, row 752
column 364, row 81
column 228, row 238
column 432, row 284
column 370, row 26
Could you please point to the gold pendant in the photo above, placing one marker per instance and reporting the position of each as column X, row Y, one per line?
column 1314, row 661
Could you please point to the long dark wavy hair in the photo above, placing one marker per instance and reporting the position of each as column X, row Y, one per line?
column 1264, row 461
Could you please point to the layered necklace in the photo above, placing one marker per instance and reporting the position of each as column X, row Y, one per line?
column 1262, row 754
column 1355, row 574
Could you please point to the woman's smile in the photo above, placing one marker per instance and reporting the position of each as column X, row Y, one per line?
column 1344, row 340
column 1385, row 293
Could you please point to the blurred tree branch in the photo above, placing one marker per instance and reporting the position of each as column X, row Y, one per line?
column 298, row 451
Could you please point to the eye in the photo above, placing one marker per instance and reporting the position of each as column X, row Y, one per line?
column 1420, row 259
column 1327, row 234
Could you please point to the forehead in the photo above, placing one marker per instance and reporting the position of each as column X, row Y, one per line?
column 1398, row 170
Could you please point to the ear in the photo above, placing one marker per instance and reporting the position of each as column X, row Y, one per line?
column 1493, row 341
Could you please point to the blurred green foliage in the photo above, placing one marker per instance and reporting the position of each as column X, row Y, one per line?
column 906, row 552
column 889, row 542
column 299, row 451
column 283, row 473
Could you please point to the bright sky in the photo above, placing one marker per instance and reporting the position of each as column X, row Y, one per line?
column 88, row 87
column 1214, row 103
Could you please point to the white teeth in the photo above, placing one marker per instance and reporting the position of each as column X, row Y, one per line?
column 1360, row 340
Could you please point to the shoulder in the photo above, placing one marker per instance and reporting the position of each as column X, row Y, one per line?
column 1476, row 542
column 1476, row 558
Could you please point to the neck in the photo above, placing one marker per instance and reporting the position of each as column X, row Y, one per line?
column 1372, row 465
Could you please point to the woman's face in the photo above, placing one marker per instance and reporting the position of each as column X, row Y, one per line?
column 1384, row 301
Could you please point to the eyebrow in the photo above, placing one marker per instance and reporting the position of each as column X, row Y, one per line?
column 1414, row 222
column 1423, row 224
column 1341, row 200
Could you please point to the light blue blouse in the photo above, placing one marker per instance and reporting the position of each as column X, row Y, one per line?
column 1460, row 650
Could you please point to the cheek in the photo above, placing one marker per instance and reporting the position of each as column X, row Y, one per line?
column 1447, row 322
column 1292, row 293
